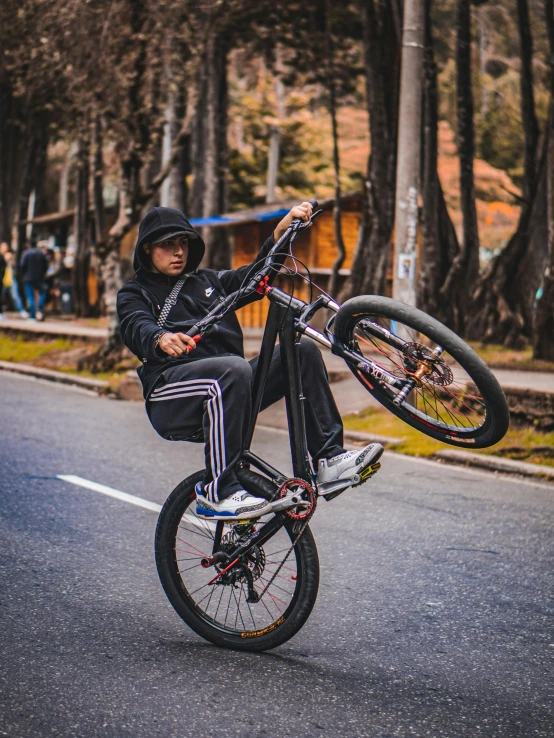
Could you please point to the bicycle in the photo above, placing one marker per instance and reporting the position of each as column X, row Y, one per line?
column 251, row 584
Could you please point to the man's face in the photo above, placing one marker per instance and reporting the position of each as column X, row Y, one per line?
column 169, row 256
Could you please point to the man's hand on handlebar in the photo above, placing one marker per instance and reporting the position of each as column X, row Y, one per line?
column 176, row 344
column 303, row 212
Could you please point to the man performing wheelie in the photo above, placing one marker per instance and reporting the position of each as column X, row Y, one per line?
column 193, row 388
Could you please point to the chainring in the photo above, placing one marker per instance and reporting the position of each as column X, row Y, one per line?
column 303, row 490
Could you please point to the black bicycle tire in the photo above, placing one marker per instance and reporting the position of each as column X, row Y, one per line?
column 498, row 415
column 268, row 638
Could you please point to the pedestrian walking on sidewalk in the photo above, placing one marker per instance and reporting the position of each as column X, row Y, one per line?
column 34, row 266
column 2, row 274
column 10, row 282
column 203, row 391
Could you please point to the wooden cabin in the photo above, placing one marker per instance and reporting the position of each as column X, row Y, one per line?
column 315, row 247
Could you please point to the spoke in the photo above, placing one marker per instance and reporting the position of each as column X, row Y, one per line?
column 228, row 606
column 194, row 566
column 250, row 610
column 280, row 576
column 219, row 603
column 195, row 530
column 203, row 524
column 267, row 608
column 186, row 543
column 239, row 613
column 199, row 588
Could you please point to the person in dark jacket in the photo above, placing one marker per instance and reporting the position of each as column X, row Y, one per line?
column 33, row 267
column 192, row 389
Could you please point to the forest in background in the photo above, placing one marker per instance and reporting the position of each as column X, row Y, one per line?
column 227, row 106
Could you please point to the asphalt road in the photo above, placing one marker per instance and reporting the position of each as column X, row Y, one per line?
column 434, row 616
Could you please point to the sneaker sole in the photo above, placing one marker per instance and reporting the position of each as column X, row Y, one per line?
column 203, row 512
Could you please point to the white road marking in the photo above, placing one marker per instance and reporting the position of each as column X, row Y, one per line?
column 110, row 492
column 131, row 499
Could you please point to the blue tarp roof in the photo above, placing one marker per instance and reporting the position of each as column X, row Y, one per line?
column 218, row 220
column 214, row 220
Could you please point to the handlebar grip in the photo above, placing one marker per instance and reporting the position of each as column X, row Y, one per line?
column 195, row 338
column 314, row 204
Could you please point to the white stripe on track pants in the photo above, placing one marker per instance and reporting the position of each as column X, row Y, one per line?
column 215, row 394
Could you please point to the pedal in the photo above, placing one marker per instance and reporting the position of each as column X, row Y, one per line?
column 333, row 489
column 369, row 471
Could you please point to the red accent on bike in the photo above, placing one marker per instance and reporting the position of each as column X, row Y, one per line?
column 195, row 338
column 364, row 380
column 263, row 287
column 221, row 573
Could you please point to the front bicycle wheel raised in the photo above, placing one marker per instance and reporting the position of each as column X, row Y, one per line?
column 440, row 385
column 284, row 573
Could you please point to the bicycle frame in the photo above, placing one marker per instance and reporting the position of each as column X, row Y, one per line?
column 287, row 318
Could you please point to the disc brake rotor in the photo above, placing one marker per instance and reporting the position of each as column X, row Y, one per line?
column 417, row 357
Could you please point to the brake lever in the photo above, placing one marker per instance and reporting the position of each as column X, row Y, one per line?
column 308, row 223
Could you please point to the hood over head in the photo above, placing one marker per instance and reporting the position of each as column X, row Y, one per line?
column 160, row 223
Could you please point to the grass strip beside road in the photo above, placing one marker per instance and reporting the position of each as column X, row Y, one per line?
column 521, row 444
column 500, row 357
column 59, row 354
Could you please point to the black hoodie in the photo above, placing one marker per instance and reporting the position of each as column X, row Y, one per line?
column 139, row 301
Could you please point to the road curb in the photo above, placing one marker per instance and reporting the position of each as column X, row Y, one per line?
column 363, row 437
column 495, row 463
column 96, row 385
column 52, row 330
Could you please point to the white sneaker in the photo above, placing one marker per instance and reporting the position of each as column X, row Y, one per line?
column 349, row 465
column 239, row 506
column 40, row 316
column 24, row 314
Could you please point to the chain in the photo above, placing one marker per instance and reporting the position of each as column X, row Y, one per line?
column 302, row 529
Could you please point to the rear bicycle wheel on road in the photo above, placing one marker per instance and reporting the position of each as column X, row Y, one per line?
column 219, row 611
column 456, row 398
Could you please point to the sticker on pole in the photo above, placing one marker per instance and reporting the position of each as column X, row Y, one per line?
column 406, row 266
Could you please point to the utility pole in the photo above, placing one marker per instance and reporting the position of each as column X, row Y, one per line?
column 408, row 156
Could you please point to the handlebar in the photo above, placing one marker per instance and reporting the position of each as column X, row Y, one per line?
column 198, row 330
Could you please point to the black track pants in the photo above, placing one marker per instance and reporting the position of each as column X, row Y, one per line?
column 215, row 394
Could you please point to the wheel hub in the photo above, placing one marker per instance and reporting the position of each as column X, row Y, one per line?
column 425, row 367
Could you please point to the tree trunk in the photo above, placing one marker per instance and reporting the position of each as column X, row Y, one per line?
column 381, row 46
column 81, row 228
column 214, row 196
column 331, row 91
column 15, row 141
column 275, row 141
column 464, row 270
column 528, row 115
column 173, row 190
column 408, row 153
column 33, row 176
column 501, row 305
column 543, row 334
column 439, row 241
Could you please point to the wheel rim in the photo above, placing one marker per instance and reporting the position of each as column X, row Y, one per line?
column 445, row 399
column 224, row 604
